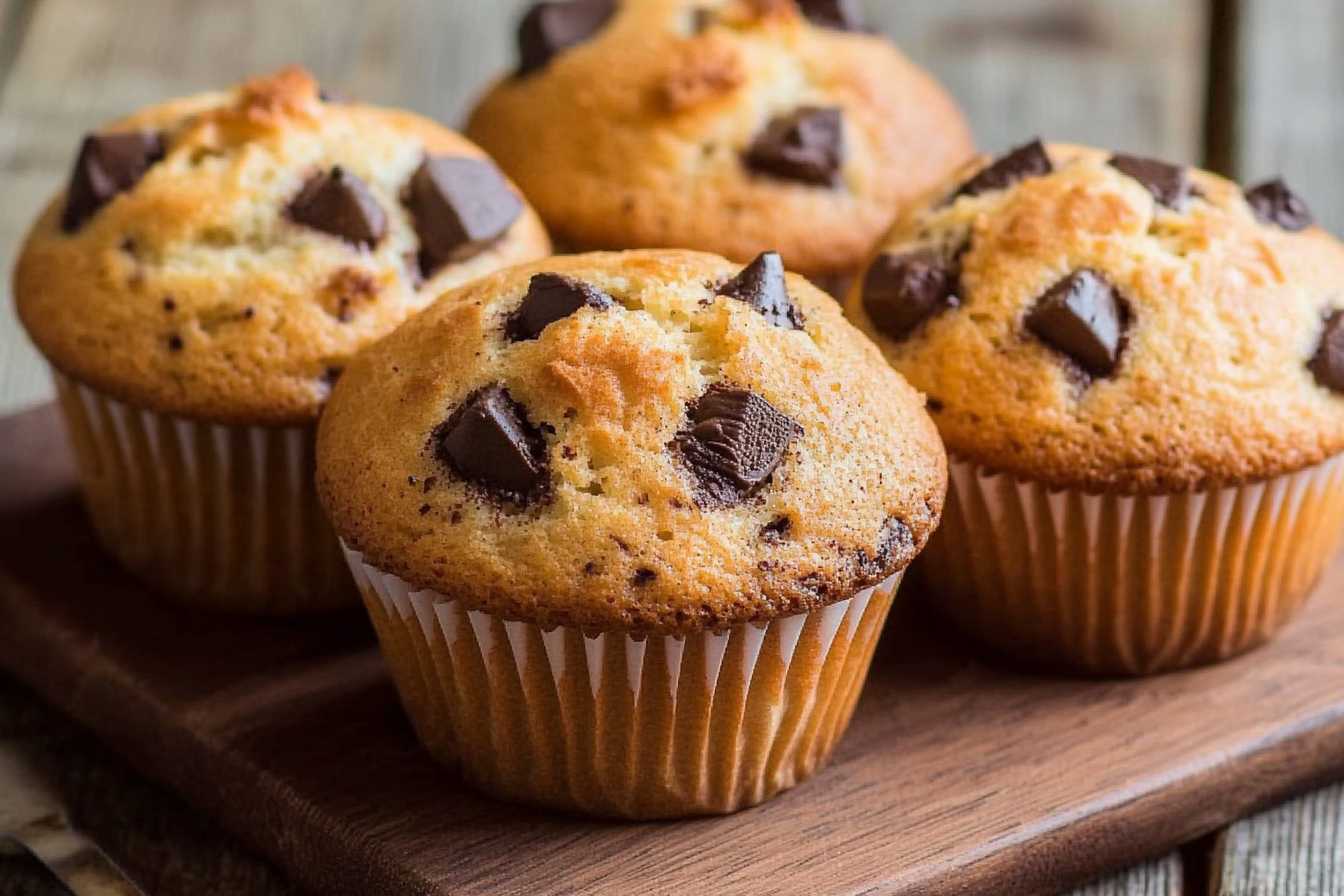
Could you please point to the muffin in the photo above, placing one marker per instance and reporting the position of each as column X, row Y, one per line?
column 210, row 269
column 626, row 528
column 732, row 127
column 1138, row 370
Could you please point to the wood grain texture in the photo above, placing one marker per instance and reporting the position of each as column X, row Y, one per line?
column 1160, row 878
column 1122, row 75
column 954, row 778
column 1296, row 849
column 1288, row 118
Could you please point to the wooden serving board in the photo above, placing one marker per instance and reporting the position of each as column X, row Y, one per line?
column 954, row 778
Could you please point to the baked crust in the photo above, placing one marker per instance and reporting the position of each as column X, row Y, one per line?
column 195, row 294
column 635, row 138
column 1212, row 387
column 620, row 543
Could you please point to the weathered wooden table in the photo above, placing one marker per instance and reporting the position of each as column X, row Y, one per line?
column 1248, row 87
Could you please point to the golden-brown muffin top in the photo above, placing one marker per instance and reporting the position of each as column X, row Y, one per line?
column 730, row 126
column 1110, row 323
column 650, row 441
column 222, row 256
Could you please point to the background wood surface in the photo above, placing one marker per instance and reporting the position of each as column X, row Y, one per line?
column 1253, row 87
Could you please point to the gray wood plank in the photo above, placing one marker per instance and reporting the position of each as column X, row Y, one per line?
column 1159, row 878
column 1288, row 117
column 1123, row 75
column 1294, row 850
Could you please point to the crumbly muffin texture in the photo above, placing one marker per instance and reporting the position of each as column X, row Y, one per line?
column 730, row 126
column 223, row 256
column 1099, row 321
column 655, row 441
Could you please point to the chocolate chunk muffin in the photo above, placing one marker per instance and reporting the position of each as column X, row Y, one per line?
column 1136, row 367
column 626, row 526
column 208, row 272
column 731, row 126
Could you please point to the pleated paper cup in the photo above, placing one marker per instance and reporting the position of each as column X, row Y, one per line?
column 218, row 516
column 1130, row 585
column 619, row 726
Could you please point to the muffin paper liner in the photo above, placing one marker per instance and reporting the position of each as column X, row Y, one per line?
column 1116, row 584
column 621, row 726
column 219, row 516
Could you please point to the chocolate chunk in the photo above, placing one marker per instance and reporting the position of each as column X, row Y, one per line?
column 845, row 15
column 1328, row 365
column 339, row 203
column 549, row 29
column 806, row 145
column 895, row 544
column 734, row 442
column 460, row 205
column 551, row 297
column 643, row 576
column 1169, row 184
column 1028, row 160
column 108, row 164
column 1084, row 317
column 489, row 441
column 1274, row 203
column 761, row 285
column 901, row 291
column 777, row 529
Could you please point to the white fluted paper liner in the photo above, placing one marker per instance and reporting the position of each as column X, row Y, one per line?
column 620, row 726
column 1119, row 584
column 222, row 516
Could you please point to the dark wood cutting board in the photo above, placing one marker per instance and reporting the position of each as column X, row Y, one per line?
column 954, row 778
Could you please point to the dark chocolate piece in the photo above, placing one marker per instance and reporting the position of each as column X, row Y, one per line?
column 761, row 285
column 895, row 543
column 806, row 145
column 733, row 443
column 339, row 203
column 551, row 297
column 1274, row 203
column 1328, row 365
column 1028, row 160
column 843, row 15
column 550, row 28
column 901, row 291
column 1084, row 317
column 107, row 164
column 461, row 205
column 1169, row 184
column 777, row 530
column 489, row 441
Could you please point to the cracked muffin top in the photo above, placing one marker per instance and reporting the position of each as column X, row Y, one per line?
column 729, row 126
column 223, row 256
column 1100, row 321
column 654, row 441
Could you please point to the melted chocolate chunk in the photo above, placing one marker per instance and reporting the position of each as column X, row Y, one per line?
column 107, row 164
column 1274, row 203
column 460, row 205
column 339, row 203
column 734, row 442
column 1328, row 365
column 1028, row 160
column 761, row 285
column 844, row 15
column 489, row 441
column 1084, row 317
column 901, row 291
column 551, row 297
column 806, row 145
column 550, row 28
column 1169, row 184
